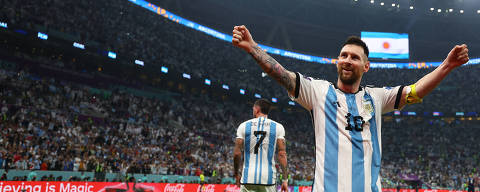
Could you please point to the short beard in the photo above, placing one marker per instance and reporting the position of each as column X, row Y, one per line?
column 348, row 81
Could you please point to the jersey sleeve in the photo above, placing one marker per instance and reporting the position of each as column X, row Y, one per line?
column 281, row 132
column 241, row 131
column 389, row 98
column 307, row 90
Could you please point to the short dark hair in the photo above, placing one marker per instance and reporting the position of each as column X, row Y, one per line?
column 264, row 105
column 355, row 40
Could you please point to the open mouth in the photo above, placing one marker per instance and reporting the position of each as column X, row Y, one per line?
column 346, row 71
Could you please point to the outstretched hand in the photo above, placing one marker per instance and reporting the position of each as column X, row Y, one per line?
column 242, row 38
column 457, row 56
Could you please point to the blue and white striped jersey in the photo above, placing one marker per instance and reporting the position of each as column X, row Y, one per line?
column 260, row 140
column 347, row 133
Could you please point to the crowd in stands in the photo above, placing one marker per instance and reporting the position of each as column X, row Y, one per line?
column 136, row 33
column 52, row 124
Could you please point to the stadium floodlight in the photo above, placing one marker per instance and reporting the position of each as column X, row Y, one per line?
column 274, row 99
column 478, row 11
column 411, row 7
column 461, row 11
column 138, row 62
column 372, row 1
column 431, row 9
column 382, row 3
column 3, row 24
column 291, row 103
column 186, row 76
column 164, row 69
column 225, row 87
column 112, row 55
column 78, row 45
column 242, row 91
column 258, row 95
column 439, row 10
column 450, row 10
column 393, row 4
column 208, row 82
column 43, row 36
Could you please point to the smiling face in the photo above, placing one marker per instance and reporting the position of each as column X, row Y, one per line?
column 352, row 63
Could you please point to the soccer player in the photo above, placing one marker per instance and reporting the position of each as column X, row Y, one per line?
column 347, row 116
column 258, row 137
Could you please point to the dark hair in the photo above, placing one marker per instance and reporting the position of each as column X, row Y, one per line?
column 354, row 40
column 264, row 105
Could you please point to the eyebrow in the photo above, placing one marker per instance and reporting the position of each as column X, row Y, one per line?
column 352, row 53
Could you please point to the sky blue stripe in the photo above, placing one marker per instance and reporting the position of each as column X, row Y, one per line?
column 261, row 156
column 358, row 168
column 367, row 34
column 388, row 55
column 248, row 132
column 256, row 155
column 331, row 142
column 271, row 148
column 376, row 158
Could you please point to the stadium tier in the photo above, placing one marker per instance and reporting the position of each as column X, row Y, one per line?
column 110, row 91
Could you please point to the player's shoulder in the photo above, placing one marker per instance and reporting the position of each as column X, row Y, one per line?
column 243, row 124
column 273, row 122
column 372, row 88
column 313, row 79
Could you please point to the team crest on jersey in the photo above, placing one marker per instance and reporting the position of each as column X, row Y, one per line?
column 367, row 105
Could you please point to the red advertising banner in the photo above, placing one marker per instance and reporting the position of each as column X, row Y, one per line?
column 54, row 186
column 44, row 186
column 420, row 190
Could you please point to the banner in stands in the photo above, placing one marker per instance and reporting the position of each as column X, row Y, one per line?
column 57, row 186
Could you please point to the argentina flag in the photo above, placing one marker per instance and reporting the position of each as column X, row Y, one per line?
column 386, row 45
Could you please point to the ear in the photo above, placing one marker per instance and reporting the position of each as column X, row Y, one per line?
column 366, row 67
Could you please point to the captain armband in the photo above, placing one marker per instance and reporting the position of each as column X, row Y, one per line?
column 412, row 96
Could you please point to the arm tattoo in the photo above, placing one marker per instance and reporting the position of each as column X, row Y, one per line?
column 273, row 68
column 236, row 164
column 237, row 157
column 285, row 171
column 282, row 159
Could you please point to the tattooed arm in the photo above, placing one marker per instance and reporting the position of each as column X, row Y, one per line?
column 282, row 160
column 237, row 160
column 243, row 39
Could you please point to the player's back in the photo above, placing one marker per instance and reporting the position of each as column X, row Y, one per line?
column 260, row 138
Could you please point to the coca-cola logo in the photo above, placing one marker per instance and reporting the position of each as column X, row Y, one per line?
column 206, row 188
column 174, row 188
column 306, row 189
column 232, row 188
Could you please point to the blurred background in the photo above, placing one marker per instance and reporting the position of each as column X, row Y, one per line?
column 116, row 90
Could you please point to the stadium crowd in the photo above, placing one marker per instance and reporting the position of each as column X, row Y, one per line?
column 51, row 124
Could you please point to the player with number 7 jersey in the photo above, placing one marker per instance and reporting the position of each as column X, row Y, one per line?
column 259, row 137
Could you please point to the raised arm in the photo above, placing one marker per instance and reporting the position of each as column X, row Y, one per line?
column 243, row 39
column 237, row 160
column 282, row 160
column 457, row 57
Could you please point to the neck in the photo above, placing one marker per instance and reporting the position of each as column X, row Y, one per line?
column 261, row 115
column 347, row 88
